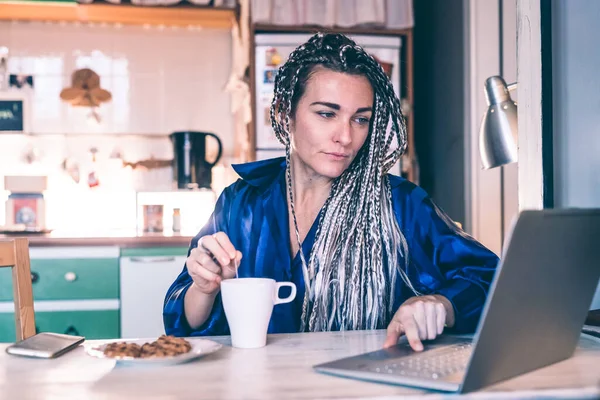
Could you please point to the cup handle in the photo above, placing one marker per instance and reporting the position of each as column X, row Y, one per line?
column 279, row 285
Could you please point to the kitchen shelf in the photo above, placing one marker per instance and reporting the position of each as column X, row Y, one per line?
column 182, row 16
column 264, row 28
column 116, row 135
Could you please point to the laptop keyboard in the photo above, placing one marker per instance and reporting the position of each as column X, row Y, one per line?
column 431, row 364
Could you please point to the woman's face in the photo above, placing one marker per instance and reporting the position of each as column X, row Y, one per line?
column 332, row 120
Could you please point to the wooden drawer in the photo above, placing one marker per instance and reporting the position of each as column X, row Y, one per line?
column 96, row 324
column 68, row 279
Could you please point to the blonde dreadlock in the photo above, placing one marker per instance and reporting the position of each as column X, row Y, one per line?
column 352, row 269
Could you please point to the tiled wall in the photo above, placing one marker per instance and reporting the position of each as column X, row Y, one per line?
column 161, row 79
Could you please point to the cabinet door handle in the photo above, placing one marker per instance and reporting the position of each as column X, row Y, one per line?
column 152, row 259
column 34, row 277
column 70, row 276
column 71, row 330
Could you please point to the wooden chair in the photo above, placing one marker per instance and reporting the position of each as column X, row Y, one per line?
column 14, row 253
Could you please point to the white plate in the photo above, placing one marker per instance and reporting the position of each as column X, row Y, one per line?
column 200, row 347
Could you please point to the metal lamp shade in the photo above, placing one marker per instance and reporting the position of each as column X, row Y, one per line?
column 498, row 133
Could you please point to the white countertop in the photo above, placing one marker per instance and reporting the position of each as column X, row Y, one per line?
column 282, row 369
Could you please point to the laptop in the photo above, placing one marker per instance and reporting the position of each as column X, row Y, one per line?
column 533, row 315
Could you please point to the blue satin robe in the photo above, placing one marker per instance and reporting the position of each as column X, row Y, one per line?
column 254, row 214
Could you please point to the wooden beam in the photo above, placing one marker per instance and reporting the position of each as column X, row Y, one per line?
column 206, row 17
column 483, row 187
column 531, row 126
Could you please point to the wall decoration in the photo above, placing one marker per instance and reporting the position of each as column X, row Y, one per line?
column 20, row 81
column 85, row 91
column 14, row 112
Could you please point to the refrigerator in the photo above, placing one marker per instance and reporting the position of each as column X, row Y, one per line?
column 273, row 49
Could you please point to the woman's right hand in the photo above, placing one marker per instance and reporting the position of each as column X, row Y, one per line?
column 213, row 260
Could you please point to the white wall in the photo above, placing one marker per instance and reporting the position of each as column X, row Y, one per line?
column 484, row 187
column 576, row 105
column 161, row 79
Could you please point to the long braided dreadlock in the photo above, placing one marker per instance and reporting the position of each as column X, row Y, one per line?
column 354, row 262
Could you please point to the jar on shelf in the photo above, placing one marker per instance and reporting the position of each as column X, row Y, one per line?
column 176, row 220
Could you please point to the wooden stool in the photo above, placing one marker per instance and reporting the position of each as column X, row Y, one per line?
column 14, row 253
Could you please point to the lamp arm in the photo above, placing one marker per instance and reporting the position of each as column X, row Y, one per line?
column 512, row 86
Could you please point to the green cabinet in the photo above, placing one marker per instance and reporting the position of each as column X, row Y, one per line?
column 68, row 279
column 94, row 324
column 75, row 291
column 100, row 294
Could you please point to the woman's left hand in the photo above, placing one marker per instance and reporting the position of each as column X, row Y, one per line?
column 420, row 318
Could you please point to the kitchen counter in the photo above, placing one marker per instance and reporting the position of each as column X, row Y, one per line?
column 110, row 238
column 282, row 369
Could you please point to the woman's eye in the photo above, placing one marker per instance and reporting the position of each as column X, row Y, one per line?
column 326, row 114
column 363, row 120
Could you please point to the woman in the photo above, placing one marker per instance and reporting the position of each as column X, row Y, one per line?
column 375, row 250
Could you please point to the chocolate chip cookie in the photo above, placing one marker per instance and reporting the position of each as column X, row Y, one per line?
column 164, row 346
column 122, row 349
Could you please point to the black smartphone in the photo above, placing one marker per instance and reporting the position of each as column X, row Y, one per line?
column 45, row 345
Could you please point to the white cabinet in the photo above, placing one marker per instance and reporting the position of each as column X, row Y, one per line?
column 144, row 284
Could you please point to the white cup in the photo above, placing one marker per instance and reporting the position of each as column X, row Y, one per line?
column 248, row 304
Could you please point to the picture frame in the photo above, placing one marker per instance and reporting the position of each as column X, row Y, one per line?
column 15, row 112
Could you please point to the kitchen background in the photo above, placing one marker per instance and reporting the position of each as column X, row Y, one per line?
column 195, row 66
column 157, row 80
column 162, row 80
column 97, row 275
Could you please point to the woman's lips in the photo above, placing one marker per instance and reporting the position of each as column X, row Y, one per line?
column 337, row 156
